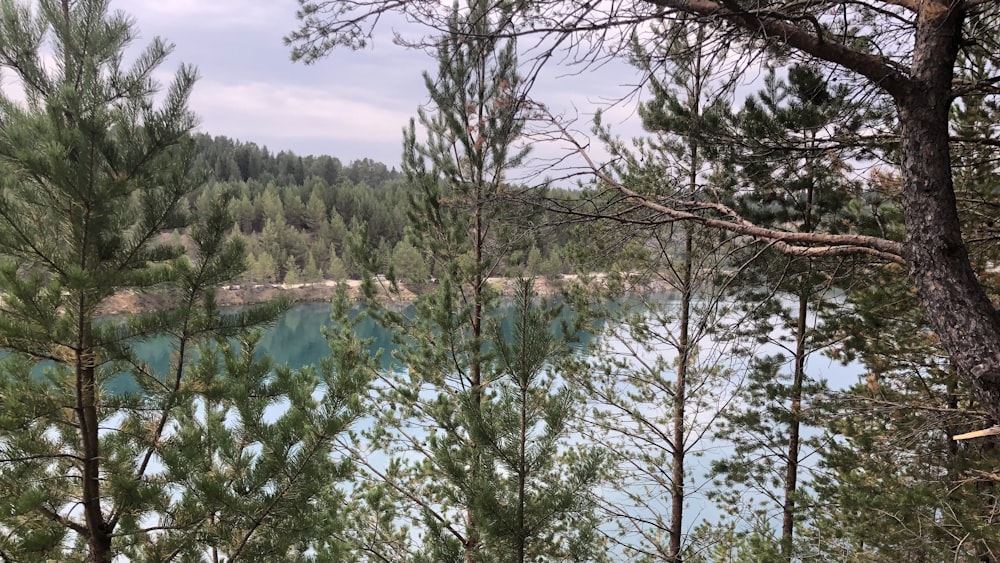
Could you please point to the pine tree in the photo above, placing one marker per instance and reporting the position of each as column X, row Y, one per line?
column 477, row 98
column 311, row 272
column 93, row 171
column 893, row 452
column 291, row 275
column 408, row 264
column 273, row 238
column 536, row 501
column 335, row 269
column 264, row 488
column 73, row 235
column 658, row 383
column 316, row 216
column 271, row 204
column 803, row 190
column 445, row 452
column 264, row 269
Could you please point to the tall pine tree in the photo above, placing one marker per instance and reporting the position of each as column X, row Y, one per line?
column 472, row 433
column 893, row 453
column 792, row 176
column 660, row 382
column 95, row 166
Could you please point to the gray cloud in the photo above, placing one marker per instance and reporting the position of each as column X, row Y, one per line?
column 351, row 104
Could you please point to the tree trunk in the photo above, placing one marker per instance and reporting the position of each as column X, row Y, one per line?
column 953, row 300
column 98, row 532
column 522, row 470
column 476, row 380
column 680, row 396
column 792, row 460
column 798, row 380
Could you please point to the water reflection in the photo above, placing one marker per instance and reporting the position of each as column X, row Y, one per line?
column 297, row 339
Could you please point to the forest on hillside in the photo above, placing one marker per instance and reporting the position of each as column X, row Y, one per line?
column 295, row 214
column 841, row 213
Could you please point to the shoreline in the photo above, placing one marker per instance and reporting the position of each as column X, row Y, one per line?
column 235, row 295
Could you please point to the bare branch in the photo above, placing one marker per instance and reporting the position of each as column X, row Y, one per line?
column 792, row 243
column 58, row 518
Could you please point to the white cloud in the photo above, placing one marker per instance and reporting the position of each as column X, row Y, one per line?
column 212, row 13
column 259, row 109
column 351, row 103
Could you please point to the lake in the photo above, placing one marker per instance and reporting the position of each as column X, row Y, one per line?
column 296, row 339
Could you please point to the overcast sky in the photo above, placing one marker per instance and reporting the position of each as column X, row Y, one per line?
column 350, row 105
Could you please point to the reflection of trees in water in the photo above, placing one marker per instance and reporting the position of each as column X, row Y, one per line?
column 297, row 340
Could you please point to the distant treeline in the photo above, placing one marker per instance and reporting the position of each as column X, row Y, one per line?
column 296, row 213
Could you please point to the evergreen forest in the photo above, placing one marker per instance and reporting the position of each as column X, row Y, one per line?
column 295, row 214
column 633, row 352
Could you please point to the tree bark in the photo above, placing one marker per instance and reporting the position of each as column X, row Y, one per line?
column 98, row 532
column 794, row 427
column 679, row 404
column 954, row 302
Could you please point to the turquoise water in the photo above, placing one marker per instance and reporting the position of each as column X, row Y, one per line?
column 296, row 339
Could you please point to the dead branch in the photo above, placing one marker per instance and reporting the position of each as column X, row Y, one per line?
column 727, row 219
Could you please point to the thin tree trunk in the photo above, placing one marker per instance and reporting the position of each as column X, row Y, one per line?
column 99, row 534
column 476, row 379
column 680, row 397
column 522, row 470
column 798, row 379
column 794, row 425
column 684, row 342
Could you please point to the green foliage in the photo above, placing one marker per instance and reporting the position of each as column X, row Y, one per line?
column 290, row 213
column 897, row 485
column 472, row 454
column 408, row 263
column 311, row 272
column 103, row 455
column 291, row 269
column 253, row 455
column 335, row 269
column 262, row 268
column 473, row 433
column 787, row 177
column 535, row 500
column 792, row 172
column 724, row 542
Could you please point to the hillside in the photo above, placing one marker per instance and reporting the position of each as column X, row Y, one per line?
column 300, row 216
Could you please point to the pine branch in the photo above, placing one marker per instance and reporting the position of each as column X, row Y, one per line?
column 412, row 496
column 278, row 497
